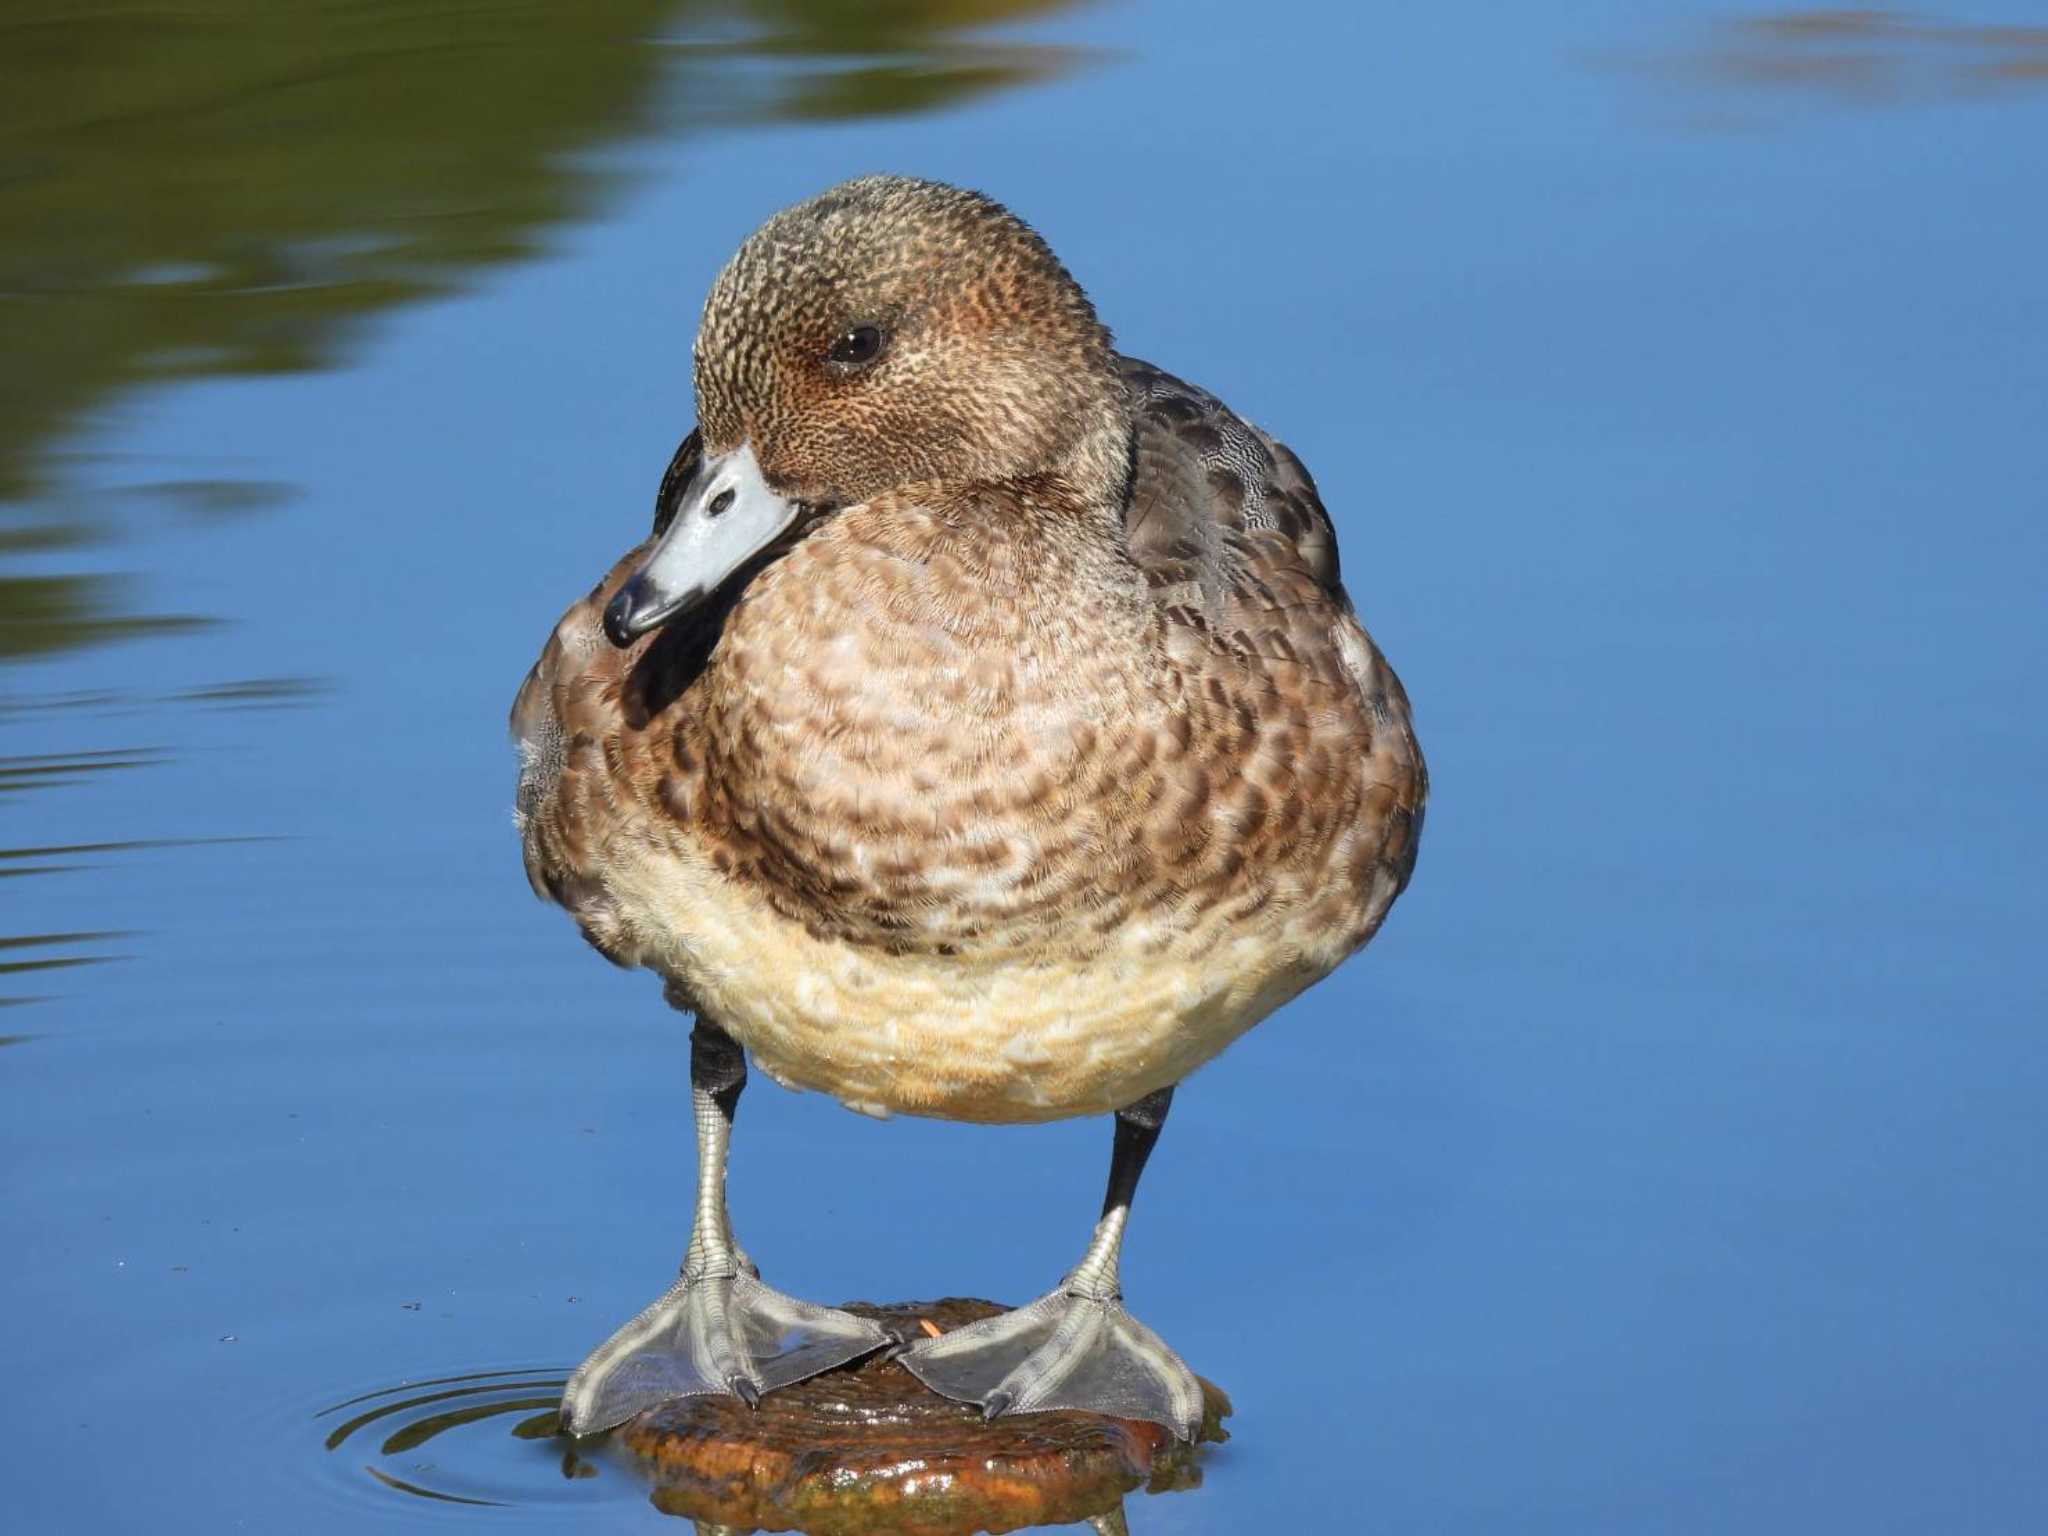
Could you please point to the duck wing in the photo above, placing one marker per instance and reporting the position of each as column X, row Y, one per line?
column 1241, row 561
column 1225, row 521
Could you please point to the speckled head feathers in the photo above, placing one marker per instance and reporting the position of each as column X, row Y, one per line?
column 991, row 365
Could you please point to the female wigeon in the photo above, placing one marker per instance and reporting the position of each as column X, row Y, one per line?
column 982, row 732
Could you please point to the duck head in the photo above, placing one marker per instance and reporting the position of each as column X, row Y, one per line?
column 887, row 333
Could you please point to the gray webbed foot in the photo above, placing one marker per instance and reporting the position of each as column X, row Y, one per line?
column 1078, row 1347
column 1064, row 1350
column 718, row 1329
column 710, row 1335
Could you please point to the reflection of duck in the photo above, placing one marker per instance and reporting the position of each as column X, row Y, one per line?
column 983, row 733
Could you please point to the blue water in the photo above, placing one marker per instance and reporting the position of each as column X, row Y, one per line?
column 1673, row 1160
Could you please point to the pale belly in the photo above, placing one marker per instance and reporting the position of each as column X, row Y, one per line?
column 1027, row 1038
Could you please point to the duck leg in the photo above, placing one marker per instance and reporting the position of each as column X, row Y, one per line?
column 1076, row 1347
column 718, row 1329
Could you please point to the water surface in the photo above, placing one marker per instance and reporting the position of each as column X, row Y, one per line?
column 1675, row 377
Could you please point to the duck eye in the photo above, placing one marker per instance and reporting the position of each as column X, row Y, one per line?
column 857, row 347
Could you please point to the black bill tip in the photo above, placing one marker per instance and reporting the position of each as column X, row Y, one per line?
column 638, row 607
column 620, row 618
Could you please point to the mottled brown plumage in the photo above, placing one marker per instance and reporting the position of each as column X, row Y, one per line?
column 1044, row 760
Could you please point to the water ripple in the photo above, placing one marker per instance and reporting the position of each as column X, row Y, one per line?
column 443, row 1438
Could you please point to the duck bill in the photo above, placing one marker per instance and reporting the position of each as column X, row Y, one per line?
column 725, row 517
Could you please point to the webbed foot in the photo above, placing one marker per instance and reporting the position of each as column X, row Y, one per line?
column 1064, row 1350
column 710, row 1335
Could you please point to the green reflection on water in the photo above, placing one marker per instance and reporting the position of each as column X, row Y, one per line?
column 195, row 192
column 233, row 190
column 40, row 614
column 44, row 770
column 214, row 500
column 1847, row 56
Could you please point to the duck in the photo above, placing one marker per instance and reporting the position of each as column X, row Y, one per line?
column 982, row 731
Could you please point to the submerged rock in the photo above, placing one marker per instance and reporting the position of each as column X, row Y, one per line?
column 867, row 1448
